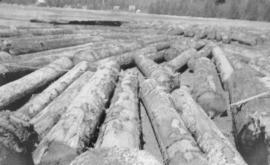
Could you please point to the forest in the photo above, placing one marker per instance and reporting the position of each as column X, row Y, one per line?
column 233, row 9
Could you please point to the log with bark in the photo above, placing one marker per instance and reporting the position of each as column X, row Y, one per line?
column 181, row 60
column 36, row 44
column 250, row 105
column 207, row 89
column 115, row 156
column 154, row 51
column 77, row 126
column 150, row 69
column 31, row 82
column 217, row 147
column 40, row 101
column 49, row 116
column 150, row 143
column 176, row 142
column 121, row 125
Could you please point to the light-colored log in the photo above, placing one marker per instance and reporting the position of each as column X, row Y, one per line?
column 177, row 144
column 29, row 83
column 76, row 127
column 217, row 147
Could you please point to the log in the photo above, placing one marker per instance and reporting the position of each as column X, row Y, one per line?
column 206, row 51
column 119, row 156
column 15, row 134
column 150, row 143
column 31, row 82
column 177, row 144
column 49, row 116
column 250, row 107
column 243, row 38
column 4, row 56
column 121, row 125
column 77, row 126
column 207, row 89
column 40, row 101
column 92, row 56
column 36, row 44
column 150, row 69
column 223, row 65
column 210, row 139
column 153, row 51
column 181, row 60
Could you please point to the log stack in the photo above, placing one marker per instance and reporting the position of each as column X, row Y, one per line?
column 147, row 91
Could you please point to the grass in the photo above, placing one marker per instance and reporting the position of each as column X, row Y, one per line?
column 234, row 9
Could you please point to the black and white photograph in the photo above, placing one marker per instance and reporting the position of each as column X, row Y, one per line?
column 134, row 82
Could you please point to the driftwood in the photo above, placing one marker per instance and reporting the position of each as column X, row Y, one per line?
column 207, row 89
column 119, row 156
column 177, row 144
column 243, row 38
column 40, row 101
column 150, row 69
column 50, row 115
column 210, row 139
column 121, row 125
column 31, row 82
column 77, row 126
column 36, row 44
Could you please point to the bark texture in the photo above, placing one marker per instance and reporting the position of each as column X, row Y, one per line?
column 35, row 105
column 177, row 144
column 76, row 127
column 115, row 156
column 121, row 125
column 150, row 69
column 207, row 89
column 51, row 114
column 31, row 82
column 210, row 139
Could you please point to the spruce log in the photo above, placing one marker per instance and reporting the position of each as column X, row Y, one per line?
column 50, row 115
column 207, row 89
column 150, row 69
column 115, row 156
column 121, row 125
column 36, row 44
column 177, row 144
column 31, row 82
column 76, row 127
column 177, row 63
column 40, row 101
column 217, row 147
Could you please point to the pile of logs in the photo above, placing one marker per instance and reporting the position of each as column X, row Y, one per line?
column 149, row 94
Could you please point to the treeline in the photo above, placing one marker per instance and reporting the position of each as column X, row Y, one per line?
column 235, row 9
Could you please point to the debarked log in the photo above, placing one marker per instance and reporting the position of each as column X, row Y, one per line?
column 217, row 147
column 76, row 127
column 29, row 83
column 50, row 115
column 121, row 125
column 40, row 101
column 176, row 142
